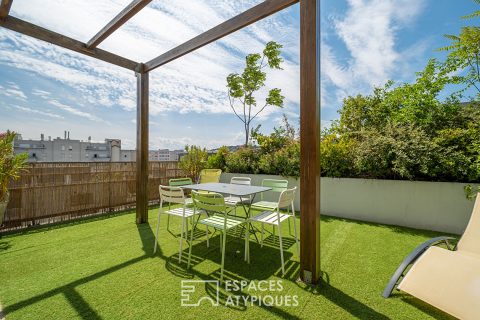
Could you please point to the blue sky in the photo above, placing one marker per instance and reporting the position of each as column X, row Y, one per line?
column 45, row 89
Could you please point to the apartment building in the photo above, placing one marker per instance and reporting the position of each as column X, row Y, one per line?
column 72, row 150
column 68, row 150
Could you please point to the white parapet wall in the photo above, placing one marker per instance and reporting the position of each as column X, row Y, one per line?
column 439, row 206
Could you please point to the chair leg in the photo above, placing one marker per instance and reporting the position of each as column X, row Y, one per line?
column 190, row 248
column 247, row 245
column 281, row 247
column 224, row 236
column 289, row 228
column 221, row 239
column 181, row 240
column 296, row 236
column 274, row 240
column 156, row 233
column 208, row 242
column 261, row 239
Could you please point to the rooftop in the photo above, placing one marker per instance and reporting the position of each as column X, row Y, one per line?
column 105, row 268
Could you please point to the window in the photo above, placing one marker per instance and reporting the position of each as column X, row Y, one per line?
column 70, row 148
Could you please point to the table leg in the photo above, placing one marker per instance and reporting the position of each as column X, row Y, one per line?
column 247, row 212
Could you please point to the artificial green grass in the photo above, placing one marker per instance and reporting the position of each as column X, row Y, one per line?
column 105, row 269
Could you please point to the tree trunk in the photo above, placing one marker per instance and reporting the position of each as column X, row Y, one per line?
column 247, row 133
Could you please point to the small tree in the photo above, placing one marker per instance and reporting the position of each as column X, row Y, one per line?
column 241, row 87
column 194, row 161
column 464, row 55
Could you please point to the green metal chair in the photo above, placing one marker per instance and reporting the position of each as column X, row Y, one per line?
column 209, row 175
column 214, row 205
column 275, row 217
column 278, row 186
column 178, row 182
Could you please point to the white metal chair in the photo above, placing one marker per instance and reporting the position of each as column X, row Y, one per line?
column 275, row 217
column 234, row 201
column 175, row 195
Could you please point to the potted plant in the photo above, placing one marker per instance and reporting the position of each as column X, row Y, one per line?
column 11, row 166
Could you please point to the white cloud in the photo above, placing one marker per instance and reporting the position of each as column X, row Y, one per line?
column 13, row 91
column 41, row 93
column 74, row 111
column 179, row 142
column 35, row 111
column 368, row 30
column 194, row 83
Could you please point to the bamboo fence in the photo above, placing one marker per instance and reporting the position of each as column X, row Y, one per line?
column 53, row 192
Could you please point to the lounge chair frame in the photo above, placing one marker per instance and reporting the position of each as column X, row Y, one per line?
column 411, row 258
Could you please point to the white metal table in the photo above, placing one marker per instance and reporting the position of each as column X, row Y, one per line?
column 244, row 192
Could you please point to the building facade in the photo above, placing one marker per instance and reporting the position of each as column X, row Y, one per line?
column 68, row 150
column 71, row 150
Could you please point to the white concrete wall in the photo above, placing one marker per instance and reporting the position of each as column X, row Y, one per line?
column 439, row 206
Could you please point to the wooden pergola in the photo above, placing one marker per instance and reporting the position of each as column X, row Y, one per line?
column 309, row 100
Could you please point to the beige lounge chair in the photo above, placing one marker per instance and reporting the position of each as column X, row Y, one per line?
column 448, row 279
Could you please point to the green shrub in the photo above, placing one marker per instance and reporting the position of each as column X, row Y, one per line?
column 244, row 160
column 397, row 152
column 284, row 161
column 336, row 156
column 218, row 160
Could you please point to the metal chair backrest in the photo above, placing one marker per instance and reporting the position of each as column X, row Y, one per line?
column 178, row 182
column 286, row 198
column 210, row 202
column 209, row 175
column 470, row 240
column 246, row 181
column 276, row 185
column 171, row 194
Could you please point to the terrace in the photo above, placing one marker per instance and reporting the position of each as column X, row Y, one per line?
column 104, row 268
column 98, row 261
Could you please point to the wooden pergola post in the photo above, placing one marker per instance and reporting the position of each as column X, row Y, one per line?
column 309, row 141
column 142, row 146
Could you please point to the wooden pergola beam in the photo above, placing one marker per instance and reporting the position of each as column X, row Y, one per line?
column 310, row 141
column 43, row 34
column 240, row 21
column 5, row 6
column 132, row 9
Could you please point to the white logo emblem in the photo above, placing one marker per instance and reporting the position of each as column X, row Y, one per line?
column 188, row 297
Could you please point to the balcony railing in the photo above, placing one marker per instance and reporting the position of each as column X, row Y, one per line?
column 53, row 192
